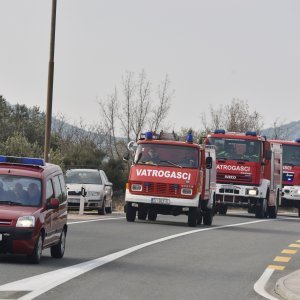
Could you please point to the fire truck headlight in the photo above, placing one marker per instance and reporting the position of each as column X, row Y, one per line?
column 252, row 192
column 186, row 191
column 136, row 187
column 298, row 192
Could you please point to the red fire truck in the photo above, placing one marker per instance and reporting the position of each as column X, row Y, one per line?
column 249, row 172
column 171, row 177
column 291, row 173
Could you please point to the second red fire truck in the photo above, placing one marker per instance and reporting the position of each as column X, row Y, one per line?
column 291, row 173
column 249, row 172
column 171, row 177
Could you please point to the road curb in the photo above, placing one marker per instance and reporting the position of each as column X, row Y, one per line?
column 285, row 285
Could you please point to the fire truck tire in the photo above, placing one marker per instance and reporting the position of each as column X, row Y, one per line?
column 208, row 216
column 192, row 216
column 223, row 209
column 199, row 216
column 130, row 213
column 299, row 212
column 142, row 212
column 272, row 210
column 152, row 215
column 261, row 208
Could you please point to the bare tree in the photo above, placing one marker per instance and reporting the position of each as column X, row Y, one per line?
column 129, row 87
column 235, row 117
column 109, row 110
column 159, row 113
column 141, row 107
column 279, row 131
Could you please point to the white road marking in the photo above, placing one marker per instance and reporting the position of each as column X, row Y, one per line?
column 260, row 284
column 95, row 220
column 39, row 284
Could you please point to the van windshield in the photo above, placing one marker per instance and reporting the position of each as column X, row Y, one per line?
column 83, row 177
column 19, row 190
column 167, row 155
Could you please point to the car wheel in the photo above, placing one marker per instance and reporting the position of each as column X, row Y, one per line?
column 58, row 250
column 102, row 211
column 35, row 257
column 109, row 209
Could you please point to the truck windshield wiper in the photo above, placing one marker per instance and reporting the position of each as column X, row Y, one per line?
column 170, row 163
column 147, row 163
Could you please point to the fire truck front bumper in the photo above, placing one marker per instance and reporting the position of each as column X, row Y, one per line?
column 291, row 193
column 194, row 202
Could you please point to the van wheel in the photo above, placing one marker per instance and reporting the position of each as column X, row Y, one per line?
column 58, row 250
column 130, row 212
column 192, row 216
column 35, row 257
column 102, row 211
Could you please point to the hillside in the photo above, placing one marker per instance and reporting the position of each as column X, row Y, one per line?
column 288, row 131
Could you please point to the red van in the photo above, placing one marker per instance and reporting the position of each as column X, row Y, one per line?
column 33, row 207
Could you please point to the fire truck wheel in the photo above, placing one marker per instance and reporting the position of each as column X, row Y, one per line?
column 208, row 216
column 152, row 215
column 223, row 210
column 272, row 212
column 142, row 212
column 261, row 209
column 130, row 212
column 199, row 216
column 299, row 212
column 192, row 216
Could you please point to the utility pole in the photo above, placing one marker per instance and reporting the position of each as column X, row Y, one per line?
column 50, row 84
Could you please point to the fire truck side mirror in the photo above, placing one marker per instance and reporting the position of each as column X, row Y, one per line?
column 208, row 162
column 132, row 146
column 268, row 154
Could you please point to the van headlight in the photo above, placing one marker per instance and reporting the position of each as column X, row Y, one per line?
column 26, row 221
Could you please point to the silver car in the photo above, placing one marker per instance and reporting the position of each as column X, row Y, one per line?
column 93, row 186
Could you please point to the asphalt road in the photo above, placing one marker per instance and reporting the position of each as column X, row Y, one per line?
column 109, row 258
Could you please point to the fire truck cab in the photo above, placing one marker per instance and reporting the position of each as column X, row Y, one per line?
column 291, row 173
column 249, row 171
column 171, row 177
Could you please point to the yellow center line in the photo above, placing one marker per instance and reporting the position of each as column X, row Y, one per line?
column 282, row 258
column 289, row 251
column 294, row 245
column 274, row 267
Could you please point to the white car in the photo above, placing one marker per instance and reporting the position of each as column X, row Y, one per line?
column 91, row 184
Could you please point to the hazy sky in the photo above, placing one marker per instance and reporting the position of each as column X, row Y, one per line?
column 212, row 50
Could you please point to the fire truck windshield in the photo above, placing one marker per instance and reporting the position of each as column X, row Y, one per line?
column 236, row 149
column 167, row 155
column 291, row 155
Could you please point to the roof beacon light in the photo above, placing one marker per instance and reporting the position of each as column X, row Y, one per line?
column 22, row 160
column 219, row 131
column 189, row 138
column 297, row 140
column 149, row 135
column 252, row 133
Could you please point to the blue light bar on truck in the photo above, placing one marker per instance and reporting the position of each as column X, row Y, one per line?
column 297, row 140
column 22, row 160
column 221, row 131
column 251, row 133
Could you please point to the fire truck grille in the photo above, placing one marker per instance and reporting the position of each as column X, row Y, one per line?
column 236, row 178
column 160, row 189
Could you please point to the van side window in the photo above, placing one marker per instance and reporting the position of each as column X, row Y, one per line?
column 57, row 188
column 49, row 191
column 63, row 188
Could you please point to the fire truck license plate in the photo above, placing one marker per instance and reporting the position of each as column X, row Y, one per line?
column 160, row 201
